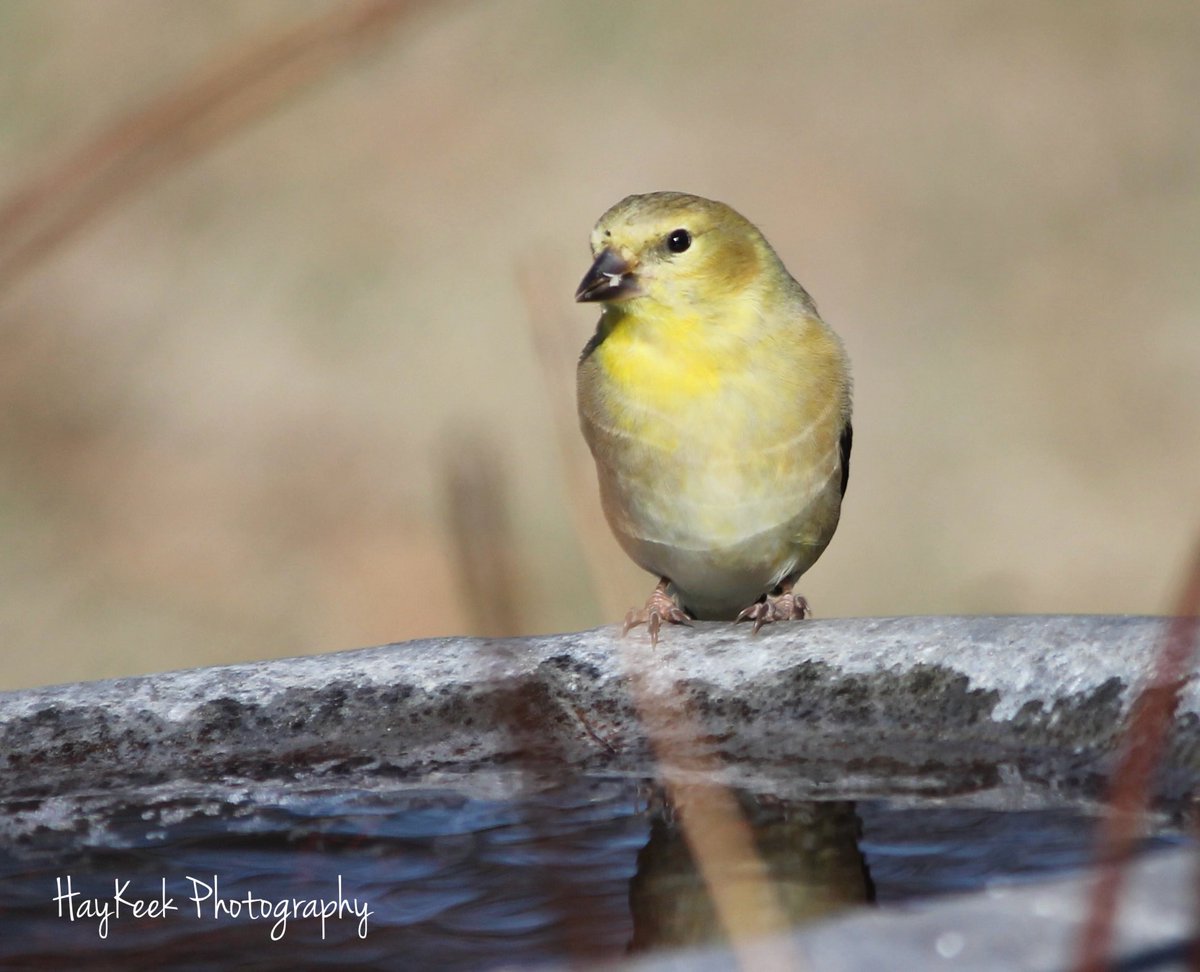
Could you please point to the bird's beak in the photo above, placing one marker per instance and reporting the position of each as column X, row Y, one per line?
column 610, row 278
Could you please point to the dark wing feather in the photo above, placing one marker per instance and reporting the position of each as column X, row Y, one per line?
column 844, row 445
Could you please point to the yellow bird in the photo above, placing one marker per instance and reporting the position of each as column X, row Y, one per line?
column 716, row 403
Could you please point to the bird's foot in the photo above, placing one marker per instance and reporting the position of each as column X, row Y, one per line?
column 660, row 607
column 784, row 606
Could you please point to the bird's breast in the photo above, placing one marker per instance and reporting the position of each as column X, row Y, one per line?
column 705, row 449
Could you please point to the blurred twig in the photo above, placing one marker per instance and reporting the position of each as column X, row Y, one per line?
column 126, row 156
column 717, row 833
column 481, row 530
column 557, row 348
column 1150, row 719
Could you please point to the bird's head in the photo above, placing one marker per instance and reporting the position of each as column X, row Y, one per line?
column 677, row 250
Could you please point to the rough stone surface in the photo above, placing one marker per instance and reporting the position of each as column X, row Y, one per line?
column 943, row 703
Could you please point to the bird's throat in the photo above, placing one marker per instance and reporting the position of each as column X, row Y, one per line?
column 668, row 359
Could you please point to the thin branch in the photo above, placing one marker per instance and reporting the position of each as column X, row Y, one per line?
column 1150, row 719
column 219, row 100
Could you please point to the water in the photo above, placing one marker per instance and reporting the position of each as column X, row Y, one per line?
column 439, row 878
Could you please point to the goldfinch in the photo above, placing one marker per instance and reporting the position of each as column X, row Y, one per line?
column 716, row 404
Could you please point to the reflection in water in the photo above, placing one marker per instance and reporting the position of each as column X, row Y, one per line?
column 464, row 882
column 810, row 850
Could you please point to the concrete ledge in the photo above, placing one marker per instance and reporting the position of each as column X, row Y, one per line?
column 840, row 705
column 1000, row 712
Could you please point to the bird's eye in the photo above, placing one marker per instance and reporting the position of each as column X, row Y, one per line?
column 679, row 240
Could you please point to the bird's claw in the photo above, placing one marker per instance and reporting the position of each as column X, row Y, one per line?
column 660, row 607
column 776, row 607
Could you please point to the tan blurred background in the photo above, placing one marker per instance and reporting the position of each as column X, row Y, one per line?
column 300, row 379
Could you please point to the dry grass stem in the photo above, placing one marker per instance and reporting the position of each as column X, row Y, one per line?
column 179, row 125
column 1132, row 786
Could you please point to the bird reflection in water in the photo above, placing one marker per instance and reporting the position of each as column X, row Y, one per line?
column 809, row 848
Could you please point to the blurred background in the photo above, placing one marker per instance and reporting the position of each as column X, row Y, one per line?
column 287, row 338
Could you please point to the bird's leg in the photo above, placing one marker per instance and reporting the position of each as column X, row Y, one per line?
column 779, row 605
column 660, row 607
